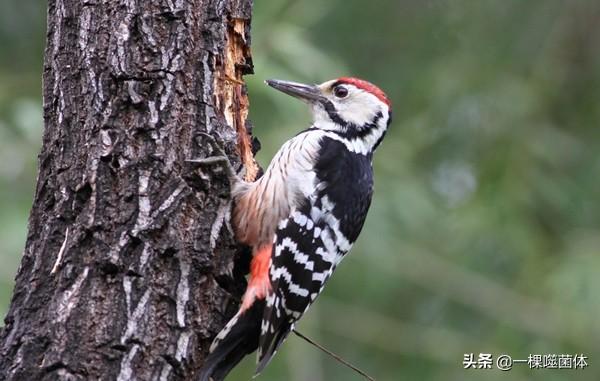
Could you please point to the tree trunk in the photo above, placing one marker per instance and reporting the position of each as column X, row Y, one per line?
column 130, row 268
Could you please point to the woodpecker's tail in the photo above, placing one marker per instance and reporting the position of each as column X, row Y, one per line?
column 237, row 339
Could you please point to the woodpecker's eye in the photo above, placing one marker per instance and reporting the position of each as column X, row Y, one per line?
column 340, row 91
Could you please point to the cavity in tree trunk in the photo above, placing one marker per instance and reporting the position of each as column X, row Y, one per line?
column 130, row 267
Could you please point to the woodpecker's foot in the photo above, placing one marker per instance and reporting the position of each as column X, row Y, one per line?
column 214, row 142
column 220, row 159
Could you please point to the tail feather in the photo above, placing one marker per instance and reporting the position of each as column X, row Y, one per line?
column 268, row 349
column 237, row 339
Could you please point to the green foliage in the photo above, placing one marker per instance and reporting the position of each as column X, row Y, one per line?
column 483, row 236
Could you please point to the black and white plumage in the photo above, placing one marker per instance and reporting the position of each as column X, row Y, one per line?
column 302, row 216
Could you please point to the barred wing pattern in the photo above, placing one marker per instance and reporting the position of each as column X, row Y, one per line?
column 299, row 270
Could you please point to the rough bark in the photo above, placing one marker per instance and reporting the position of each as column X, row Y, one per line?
column 130, row 267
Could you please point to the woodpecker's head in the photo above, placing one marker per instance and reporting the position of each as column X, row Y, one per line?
column 352, row 107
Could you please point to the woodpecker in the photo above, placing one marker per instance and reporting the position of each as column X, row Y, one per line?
column 302, row 216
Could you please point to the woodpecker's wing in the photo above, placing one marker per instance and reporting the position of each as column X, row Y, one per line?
column 304, row 256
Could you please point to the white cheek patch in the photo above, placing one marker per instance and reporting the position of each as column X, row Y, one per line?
column 350, row 111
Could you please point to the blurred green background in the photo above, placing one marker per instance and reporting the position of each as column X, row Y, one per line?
column 483, row 236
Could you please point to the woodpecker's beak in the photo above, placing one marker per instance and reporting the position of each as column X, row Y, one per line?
column 309, row 93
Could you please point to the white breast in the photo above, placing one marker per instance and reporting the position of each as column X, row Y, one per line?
column 289, row 179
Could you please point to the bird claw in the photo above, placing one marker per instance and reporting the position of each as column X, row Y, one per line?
column 220, row 159
column 215, row 143
column 211, row 160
